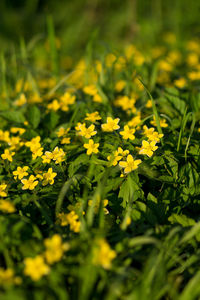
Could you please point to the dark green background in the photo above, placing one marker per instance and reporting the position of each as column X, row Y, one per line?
column 113, row 21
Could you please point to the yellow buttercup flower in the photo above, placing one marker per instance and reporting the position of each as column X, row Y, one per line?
column 2, row 190
column 148, row 148
column 87, row 132
column 130, row 164
column 91, row 147
column 103, row 254
column 70, row 219
column 93, row 117
column 128, row 133
column 7, row 206
column 29, row 184
column 35, row 267
column 58, row 155
column 20, row 172
column 54, row 248
column 117, row 156
column 47, row 157
column 7, row 277
column 48, row 177
column 7, row 155
column 111, row 125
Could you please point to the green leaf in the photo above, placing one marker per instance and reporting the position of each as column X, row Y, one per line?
column 182, row 220
column 13, row 116
column 33, row 116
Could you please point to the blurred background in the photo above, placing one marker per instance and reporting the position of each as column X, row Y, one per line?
column 110, row 21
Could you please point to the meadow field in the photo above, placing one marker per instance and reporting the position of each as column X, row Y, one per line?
column 99, row 150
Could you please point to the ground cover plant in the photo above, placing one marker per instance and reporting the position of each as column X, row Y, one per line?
column 99, row 175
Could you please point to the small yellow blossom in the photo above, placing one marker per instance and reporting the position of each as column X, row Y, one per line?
column 70, row 219
column 118, row 155
column 17, row 130
column 47, row 157
column 90, row 90
column 128, row 133
column 91, row 147
column 111, row 125
column 180, row 83
column 20, row 172
column 58, row 155
column 97, row 98
column 54, row 105
column 149, row 103
column 151, row 134
column 29, row 184
column 130, row 164
column 120, row 85
column 2, row 190
column 148, row 148
column 21, row 100
column 103, row 254
column 86, row 132
column 48, row 177
column 93, row 117
column 97, row 205
column 65, row 140
column 54, row 248
column 35, row 267
column 7, row 206
column 7, row 155
column 7, row 277
column 62, row 131
column 163, row 122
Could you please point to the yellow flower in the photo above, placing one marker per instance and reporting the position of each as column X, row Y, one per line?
column 163, row 122
column 62, row 131
column 65, row 140
column 37, row 151
column 90, row 90
column 7, row 206
column 151, row 134
column 86, row 132
column 149, row 103
column 29, row 183
column 111, row 125
column 7, row 277
column 70, row 219
column 35, row 267
column 180, row 83
column 97, row 204
column 16, row 130
column 48, row 177
column 91, row 147
column 128, row 133
column 54, row 105
column 93, row 117
column 97, row 98
column 58, row 155
column 2, row 190
column 130, row 164
column 118, row 155
column 54, row 248
column 103, row 254
column 7, row 155
column 46, row 158
column 20, row 172
column 148, row 148
column 119, row 86
column 21, row 100
column 126, row 103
